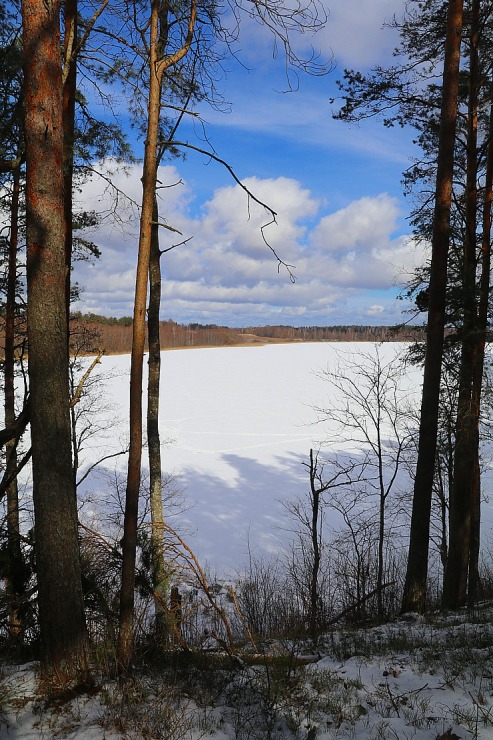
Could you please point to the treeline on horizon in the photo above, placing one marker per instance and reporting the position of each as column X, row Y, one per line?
column 114, row 335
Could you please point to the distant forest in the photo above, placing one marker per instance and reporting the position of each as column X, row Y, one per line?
column 91, row 332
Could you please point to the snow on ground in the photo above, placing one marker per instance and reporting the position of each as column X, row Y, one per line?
column 239, row 422
column 412, row 680
column 24, row 713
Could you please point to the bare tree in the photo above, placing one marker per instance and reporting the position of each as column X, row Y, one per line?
column 374, row 413
column 308, row 513
column 172, row 32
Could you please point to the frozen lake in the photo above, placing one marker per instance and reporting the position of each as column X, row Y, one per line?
column 236, row 425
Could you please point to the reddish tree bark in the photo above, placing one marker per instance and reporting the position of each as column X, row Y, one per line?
column 414, row 598
column 456, row 571
column 68, row 102
column 64, row 643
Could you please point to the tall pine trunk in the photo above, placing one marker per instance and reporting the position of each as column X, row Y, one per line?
column 69, row 95
column 456, row 572
column 414, row 598
column 64, row 641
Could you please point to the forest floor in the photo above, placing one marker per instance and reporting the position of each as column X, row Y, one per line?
column 420, row 678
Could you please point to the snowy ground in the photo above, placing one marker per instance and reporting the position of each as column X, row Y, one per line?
column 239, row 422
column 410, row 680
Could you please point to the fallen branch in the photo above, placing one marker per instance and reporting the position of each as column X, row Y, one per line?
column 356, row 605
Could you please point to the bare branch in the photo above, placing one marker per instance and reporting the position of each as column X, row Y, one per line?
column 166, row 226
column 251, row 196
column 174, row 246
column 88, row 28
column 98, row 462
column 17, row 429
column 357, row 604
column 194, row 565
column 6, row 481
column 231, row 171
column 78, row 393
column 109, row 545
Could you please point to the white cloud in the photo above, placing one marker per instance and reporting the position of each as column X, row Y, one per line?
column 376, row 309
column 355, row 245
column 240, row 221
column 356, row 34
column 227, row 274
column 363, row 223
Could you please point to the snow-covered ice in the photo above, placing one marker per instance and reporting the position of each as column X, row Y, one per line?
column 236, row 425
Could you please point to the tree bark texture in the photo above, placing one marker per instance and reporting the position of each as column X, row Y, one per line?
column 64, row 642
column 414, row 598
column 68, row 97
column 456, row 572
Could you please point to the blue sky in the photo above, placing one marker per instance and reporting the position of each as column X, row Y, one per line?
column 336, row 189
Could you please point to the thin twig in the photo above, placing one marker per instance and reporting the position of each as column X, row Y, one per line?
column 251, row 196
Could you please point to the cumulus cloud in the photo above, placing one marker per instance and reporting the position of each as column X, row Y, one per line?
column 364, row 222
column 242, row 222
column 355, row 31
column 355, row 245
column 376, row 310
column 227, row 274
